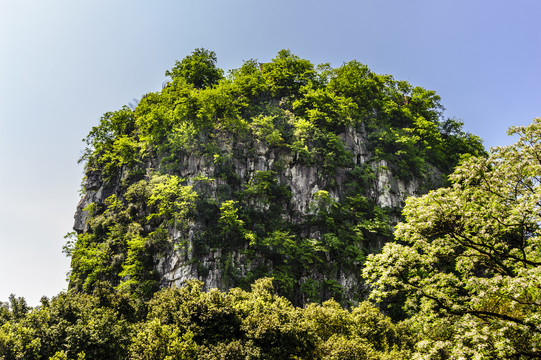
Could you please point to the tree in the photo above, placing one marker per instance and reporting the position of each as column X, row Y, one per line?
column 468, row 258
column 198, row 69
column 18, row 306
column 287, row 73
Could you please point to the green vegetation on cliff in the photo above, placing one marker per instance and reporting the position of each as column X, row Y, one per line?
column 275, row 170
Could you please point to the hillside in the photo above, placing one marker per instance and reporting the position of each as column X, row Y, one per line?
column 280, row 169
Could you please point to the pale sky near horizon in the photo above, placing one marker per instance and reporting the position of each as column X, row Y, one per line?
column 65, row 63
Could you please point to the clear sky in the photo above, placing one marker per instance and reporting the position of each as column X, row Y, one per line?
column 64, row 63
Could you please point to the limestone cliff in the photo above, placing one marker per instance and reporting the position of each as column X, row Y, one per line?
column 277, row 170
column 303, row 181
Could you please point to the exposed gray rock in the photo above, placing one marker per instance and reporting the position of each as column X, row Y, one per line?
column 303, row 181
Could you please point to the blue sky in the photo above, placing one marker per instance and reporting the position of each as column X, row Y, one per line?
column 65, row 63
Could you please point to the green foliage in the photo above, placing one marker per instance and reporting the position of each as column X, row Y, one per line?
column 169, row 199
column 17, row 306
column 71, row 326
column 188, row 323
column 467, row 259
column 157, row 341
column 287, row 73
column 112, row 145
column 264, row 129
column 124, row 238
column 232, row 228
column 256, row 133
column 198, row 69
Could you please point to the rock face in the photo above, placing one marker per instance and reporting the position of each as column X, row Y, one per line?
column 299, row 212
column 387, row 190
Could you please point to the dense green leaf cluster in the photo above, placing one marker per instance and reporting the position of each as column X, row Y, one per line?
column 468, row 261
column 187, row 323
column 123, row 237
column 204, row 166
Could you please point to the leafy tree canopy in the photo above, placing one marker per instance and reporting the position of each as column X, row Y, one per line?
column 187, row 323
column 467, row 257
column 198, row 69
